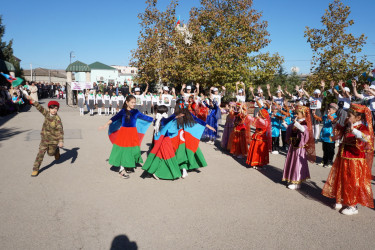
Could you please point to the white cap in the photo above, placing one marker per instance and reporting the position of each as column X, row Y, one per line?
column 347, row 89
column 166, row 88
column 278, row 91
column 317, row 91
column 372, row 86
column 188, row 87
column 240, row 91
column 260, row 91
column 137, row 89
column 300, row 90
column 215, row 89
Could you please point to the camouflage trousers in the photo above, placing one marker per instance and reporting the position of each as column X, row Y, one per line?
column 43, row 148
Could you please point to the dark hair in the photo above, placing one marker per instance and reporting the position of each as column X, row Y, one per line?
column 187, row 119
column 53, row 106
column 125, row 107
column 356, row 114
column 160, row 109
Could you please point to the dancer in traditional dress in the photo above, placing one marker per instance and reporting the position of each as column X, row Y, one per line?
column 81, row 102
column 301, row 149
column 126, row 133
column 185, row 138
column 99, row 102
column 208, row 134
column 349, row 181
column 238, row 139
column 261, row 140
column 162, row 162
column 229, row 126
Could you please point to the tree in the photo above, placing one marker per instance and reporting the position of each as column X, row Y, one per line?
column 154, row 56
column 227, row 38
column 335, row 52
column 6, row 51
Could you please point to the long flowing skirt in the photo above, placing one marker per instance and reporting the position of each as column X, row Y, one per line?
column 163, row 163
column 350, row 182
column 258, row 154
column 126, row 151
column 296, row 168
column 237, row 144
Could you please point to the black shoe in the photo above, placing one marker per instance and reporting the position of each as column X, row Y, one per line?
column 57, row 154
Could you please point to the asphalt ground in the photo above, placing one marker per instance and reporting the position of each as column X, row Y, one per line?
column 78, row 202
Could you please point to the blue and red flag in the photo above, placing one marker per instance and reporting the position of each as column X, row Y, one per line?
column 141, row 127
column 9, row 77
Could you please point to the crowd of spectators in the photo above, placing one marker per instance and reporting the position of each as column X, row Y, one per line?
column 12, row 99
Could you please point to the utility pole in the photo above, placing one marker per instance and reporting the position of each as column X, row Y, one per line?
column 31, row 72
column 71, row 55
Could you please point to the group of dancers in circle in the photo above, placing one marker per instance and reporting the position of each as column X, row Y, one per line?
column 178, row 131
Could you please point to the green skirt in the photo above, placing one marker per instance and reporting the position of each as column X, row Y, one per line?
column 127, row 157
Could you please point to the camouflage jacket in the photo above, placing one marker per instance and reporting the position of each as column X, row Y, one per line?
column 52, row 130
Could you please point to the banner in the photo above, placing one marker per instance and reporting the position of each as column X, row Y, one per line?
column 81, row 85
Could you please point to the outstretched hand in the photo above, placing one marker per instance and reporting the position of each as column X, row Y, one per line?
column 210, row 128
column 102, row 127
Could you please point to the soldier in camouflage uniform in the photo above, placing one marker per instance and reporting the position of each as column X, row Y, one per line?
column 52, row 133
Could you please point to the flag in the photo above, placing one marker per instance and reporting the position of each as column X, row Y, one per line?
column 185, row 142
column 162, row 159
column 178, row 21
column 9, row 77
column 115, row 126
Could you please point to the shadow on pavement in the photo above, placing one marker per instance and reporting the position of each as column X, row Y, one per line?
column 272, row 173
column 68, row 154
column 312, row 191
column 122, row 242
column 7, row 133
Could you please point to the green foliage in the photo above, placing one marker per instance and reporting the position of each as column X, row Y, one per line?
column 6, row 51
column 335, row 52
column 226, row 39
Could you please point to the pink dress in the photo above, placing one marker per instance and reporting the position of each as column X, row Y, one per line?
column 296, row 168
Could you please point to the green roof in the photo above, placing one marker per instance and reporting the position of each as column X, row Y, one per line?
column 6, row 66
column 78, row 66
column 99, row 65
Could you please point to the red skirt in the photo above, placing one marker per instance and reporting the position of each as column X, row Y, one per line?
column 258, row 154
column 237, row 142
column 350, row 182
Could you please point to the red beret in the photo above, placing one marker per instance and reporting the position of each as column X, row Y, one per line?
column 54, row 103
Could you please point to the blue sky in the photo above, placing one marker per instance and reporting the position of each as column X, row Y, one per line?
column 44, row 32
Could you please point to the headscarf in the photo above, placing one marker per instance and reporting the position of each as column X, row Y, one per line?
column 369, row 144
column 310, row 145
column 265, row 115
column 157, row 122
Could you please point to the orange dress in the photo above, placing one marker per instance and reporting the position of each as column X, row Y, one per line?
column 258, row 154
column 350, row 178
column 237, row 144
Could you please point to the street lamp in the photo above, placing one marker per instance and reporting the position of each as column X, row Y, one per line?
column 71, row 55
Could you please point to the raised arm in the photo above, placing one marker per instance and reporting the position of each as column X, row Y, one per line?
column 182, row 89
column 145, row 89
column 269, row 92
column 359, row 96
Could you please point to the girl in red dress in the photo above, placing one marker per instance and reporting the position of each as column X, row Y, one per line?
column 261, row 140
column 237, row 144
column 350, row 178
